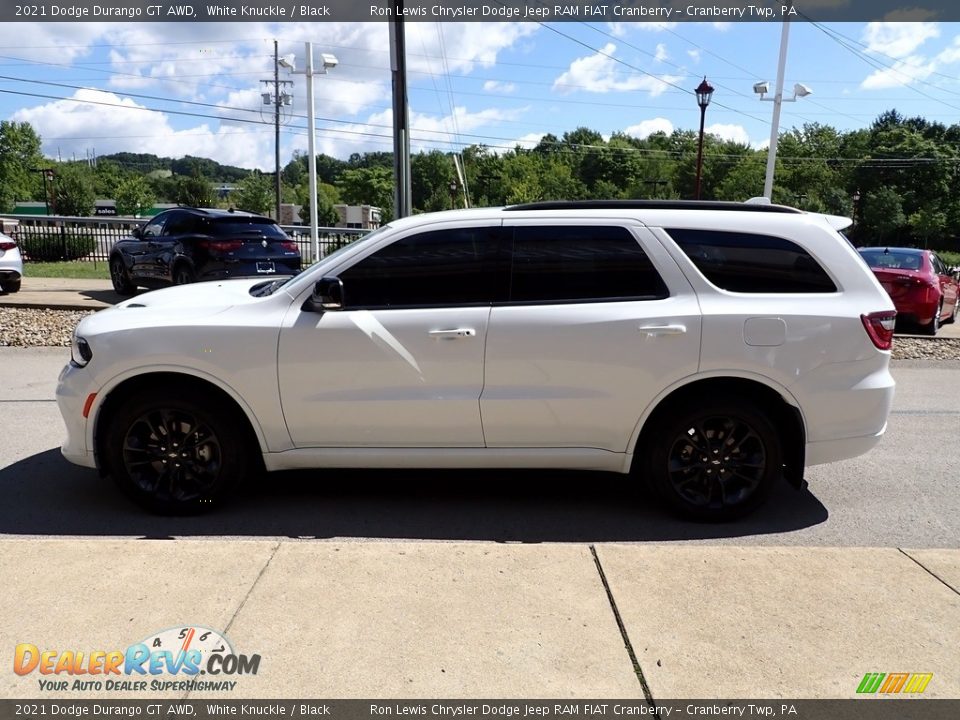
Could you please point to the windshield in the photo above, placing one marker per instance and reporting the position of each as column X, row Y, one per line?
column 268, row 288
column 892, row 259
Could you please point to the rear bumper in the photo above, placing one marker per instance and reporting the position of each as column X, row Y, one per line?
column 827, row 451
column 224, row 271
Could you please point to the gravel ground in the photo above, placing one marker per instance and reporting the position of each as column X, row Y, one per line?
column 31, row 328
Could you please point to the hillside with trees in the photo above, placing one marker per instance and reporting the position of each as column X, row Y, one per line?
column 897, row 178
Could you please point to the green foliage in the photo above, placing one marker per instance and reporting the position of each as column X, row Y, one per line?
column 73, row 190
column 255, row 193
column 53, row 246
column 194, row 192
column 327, row 196
column 369, row 186
column 20, row 160
column 133, row 195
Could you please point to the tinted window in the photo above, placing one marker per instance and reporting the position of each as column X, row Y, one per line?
column 750, row 263
column 152, row 228
column 443, row 267
column 893, row 259
column 557, row 263
column 179, row 223
column 233, row 226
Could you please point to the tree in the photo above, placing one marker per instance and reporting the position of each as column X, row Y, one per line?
column 20, row 160
column 882, row 214
column 369, row 186
column 327, row 197
column 255, row 193
column 194, row 192
column 927, row 224
column 133, row 196
column 73, row 190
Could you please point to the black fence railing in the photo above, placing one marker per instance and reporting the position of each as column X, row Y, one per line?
column 48, row 238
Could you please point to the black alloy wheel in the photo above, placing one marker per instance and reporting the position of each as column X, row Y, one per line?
column 933, row 327
column 183, row 274
column 118, row 277
column 177, row 452
column 715, row 460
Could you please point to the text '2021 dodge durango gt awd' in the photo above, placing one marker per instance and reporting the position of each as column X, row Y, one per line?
column 705, row 348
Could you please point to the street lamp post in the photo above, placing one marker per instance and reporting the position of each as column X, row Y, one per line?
column 704, row 93
column 329, row 61
column 761, row 89
column 856, row 205
column 453, row 194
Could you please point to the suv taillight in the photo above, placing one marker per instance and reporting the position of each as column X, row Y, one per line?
column 879, row 326
column 7, row 245
column 221, row 246
column 289, row 245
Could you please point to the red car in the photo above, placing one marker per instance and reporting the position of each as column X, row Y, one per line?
column 922, row 288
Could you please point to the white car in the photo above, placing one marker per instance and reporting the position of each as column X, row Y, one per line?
column 708, row 348
column 11, row 265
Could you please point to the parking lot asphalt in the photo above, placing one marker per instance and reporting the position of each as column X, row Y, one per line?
column 417, row 585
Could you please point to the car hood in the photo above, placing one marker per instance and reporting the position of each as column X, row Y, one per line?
column 180, row 305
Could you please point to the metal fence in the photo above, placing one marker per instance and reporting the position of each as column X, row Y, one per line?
column 50, row 238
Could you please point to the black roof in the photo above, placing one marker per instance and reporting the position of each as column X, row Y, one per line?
column 217, row 212
column 652, row 205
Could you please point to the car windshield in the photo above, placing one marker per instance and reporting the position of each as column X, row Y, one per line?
column 892, row 259
column 268, row 288
column 258, row 226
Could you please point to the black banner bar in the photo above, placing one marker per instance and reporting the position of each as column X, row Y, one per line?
column 281, row 11
column 866, row 708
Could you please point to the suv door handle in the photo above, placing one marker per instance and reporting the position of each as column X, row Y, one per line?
column 653, row 330
column 455, row 333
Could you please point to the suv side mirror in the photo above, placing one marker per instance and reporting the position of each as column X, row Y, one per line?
column 137, row 232
column 327, row 295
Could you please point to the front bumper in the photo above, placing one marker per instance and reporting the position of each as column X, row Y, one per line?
column 72, row 392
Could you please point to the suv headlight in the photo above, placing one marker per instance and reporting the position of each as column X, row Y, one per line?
column 80, row 352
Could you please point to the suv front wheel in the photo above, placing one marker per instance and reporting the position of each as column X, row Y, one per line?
column 715, row 459
column 176, row 451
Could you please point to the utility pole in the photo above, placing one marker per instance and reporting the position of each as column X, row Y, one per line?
column 401, row 117
column 276, row 98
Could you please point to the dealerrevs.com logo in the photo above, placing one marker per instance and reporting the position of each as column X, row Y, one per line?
column 177, row 659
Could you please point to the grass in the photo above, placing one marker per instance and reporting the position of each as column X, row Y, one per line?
column 83, row 270
column 949, row 257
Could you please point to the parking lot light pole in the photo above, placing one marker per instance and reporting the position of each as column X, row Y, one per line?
column 704, row 93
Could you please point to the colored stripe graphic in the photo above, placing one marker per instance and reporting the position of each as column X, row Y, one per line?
column 894, row 682
column 871, row 682
column 918, row 682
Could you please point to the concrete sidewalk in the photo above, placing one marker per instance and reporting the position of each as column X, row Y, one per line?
column 62, row 294
column 342, row 619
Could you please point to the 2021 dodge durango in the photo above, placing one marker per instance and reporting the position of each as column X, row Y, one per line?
column 185, row 245
column 708, row 349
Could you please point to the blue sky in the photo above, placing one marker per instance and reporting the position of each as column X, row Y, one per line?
column 193, row 89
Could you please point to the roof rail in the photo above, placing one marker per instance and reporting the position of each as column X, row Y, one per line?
column 652, row 205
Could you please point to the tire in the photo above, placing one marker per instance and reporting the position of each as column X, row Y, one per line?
column 715, row 459
column 177, row 450
column 12, row 286
column 933, row 327
column 953, row 316
column 183, row 274
column 119, row 278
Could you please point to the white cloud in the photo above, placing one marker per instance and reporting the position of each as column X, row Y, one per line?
column 721, row 26
column 903, row 72
column 498, row 86
column 617, row 29
column 459, row 47
column 694, row 55
column 654, row 26
column 661, row 53
column 734, row 133
column 529, row 141
column 649, row 127
column 110, row 123
column 898, row 39
column 598, row 73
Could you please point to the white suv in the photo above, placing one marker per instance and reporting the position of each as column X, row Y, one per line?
column 708, row 348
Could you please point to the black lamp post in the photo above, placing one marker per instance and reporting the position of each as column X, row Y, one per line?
column 704, row 92
column 856, row 205
column 453, row 194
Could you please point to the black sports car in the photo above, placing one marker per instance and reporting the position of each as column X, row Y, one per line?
column 184, row 245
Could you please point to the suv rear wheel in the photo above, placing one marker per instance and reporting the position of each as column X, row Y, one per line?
column 176, row 453
column 715, row 459
column 119, row 279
